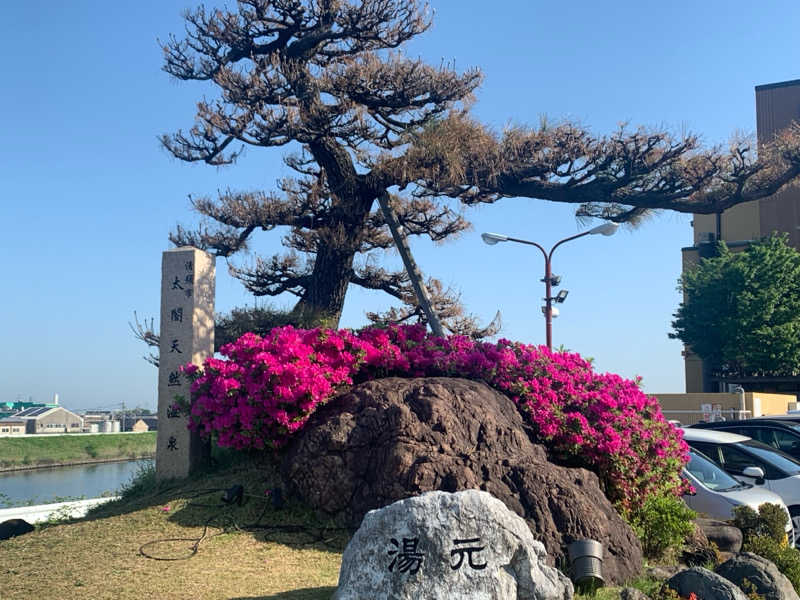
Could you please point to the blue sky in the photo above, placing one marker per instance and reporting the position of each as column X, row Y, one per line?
column 88, row 196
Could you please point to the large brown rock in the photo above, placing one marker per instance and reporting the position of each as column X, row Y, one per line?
column 697, row 549
column 761, row 575
column 727, row 537
column 393, row 438
column 705, row 584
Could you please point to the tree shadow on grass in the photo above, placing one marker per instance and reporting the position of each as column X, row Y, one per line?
column 302, row 530
column 320, row 593
column 291, row 524
column 255, row 472
column 198, row 502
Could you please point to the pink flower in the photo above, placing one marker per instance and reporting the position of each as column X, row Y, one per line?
column 265, row 389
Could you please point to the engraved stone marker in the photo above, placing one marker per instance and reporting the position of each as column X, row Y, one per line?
column 187, row 335
column 462, row 546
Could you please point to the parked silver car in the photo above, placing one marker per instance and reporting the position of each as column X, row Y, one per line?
column 717, row 493
column 752, row 462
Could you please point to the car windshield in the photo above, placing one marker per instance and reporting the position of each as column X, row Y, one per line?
column 780, row 460
column 710, row 475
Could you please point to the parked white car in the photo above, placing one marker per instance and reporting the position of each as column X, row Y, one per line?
column 752, row 463
column 716, row 493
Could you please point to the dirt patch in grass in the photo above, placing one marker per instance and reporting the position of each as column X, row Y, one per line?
column 248, row 551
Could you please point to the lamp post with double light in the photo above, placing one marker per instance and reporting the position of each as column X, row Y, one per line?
column 550, row 280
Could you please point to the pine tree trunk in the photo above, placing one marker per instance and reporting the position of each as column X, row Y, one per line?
column 322, row 304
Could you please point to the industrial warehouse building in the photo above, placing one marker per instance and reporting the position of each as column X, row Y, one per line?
column 47, row 419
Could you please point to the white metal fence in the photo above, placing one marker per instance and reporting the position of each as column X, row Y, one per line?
column 690, row 417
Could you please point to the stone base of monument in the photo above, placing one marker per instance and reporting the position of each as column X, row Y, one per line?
column 464, row 545
column 394, row 438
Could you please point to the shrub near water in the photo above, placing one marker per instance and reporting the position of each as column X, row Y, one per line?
column 267, row 388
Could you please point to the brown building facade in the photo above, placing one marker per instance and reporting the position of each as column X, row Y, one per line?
column 777, row 106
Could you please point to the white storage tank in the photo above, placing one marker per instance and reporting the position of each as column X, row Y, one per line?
column 109, row 427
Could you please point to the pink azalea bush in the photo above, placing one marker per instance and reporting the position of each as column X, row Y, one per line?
column 267, row 388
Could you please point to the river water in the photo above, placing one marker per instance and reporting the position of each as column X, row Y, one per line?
column 42, row 486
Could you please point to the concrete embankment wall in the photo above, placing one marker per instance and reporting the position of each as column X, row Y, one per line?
column 43, row 512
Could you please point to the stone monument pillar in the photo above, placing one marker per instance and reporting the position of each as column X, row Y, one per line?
column 187, row 335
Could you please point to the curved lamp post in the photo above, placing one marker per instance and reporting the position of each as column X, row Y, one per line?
column 549, row 279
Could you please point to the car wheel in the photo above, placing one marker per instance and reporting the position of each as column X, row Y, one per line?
column 794, row 511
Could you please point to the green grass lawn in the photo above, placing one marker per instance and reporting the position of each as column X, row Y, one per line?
column 251, row 551
column 49, row 449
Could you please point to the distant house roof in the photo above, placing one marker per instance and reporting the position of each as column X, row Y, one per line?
column 32, row 413
column 12, row 421
column 37, row 412
column 97, row 415
column 150, row 420
column 20, row 405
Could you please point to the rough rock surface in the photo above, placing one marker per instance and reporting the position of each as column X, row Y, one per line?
column 445, row 546
column 13, row 528
column 705, row 584
column 697, row 549
column 661, row 572
column 630, row 593
column 393, row 438
column 762, row 574
column 727, row 537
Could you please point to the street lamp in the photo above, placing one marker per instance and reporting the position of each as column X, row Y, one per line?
column 549, row 279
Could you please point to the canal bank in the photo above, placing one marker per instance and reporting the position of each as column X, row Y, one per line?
column 68, row 449
column 90, row 461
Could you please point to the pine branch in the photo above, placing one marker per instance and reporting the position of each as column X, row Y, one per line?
column 446, row 303
column 275, row 276
column 606, row 176
column 145, row 331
